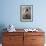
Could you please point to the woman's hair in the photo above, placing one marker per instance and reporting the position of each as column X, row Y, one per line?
column 26, row 9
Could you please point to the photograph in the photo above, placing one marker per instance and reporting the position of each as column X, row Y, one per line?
column 26, row 13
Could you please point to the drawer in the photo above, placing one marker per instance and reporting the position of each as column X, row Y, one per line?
column 37, row 44
column 8, row 39
column 37, row 39
column 13, row 33
column 8, row 44
column 18, row 44
column 34, row 33
column 12, row 38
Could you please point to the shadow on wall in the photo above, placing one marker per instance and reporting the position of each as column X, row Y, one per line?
column 2, row 26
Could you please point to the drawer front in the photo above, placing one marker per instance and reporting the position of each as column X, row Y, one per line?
column 12, row 44
column 34, row 33
column 13, row 33
column 8, row 44
column 37, row 39
column 37, row 44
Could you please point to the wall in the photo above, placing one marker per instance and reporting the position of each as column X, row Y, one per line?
column 10, row 13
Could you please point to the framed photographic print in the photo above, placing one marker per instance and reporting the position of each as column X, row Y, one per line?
column 26, row 13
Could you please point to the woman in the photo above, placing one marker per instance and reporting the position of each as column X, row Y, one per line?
column 27, row 14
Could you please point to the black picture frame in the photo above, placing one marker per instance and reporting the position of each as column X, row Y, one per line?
column 26, row 13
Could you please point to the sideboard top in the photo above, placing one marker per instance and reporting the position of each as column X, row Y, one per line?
column 22, row 30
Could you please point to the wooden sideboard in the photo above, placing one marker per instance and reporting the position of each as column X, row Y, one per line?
column 23, row 39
